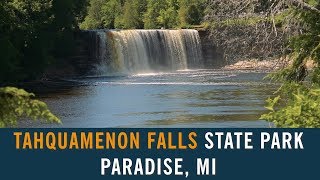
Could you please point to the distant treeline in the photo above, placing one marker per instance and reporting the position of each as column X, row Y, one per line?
column 36, row 33
column 143, row 14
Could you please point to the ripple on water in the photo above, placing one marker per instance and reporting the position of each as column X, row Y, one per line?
column 189, row 98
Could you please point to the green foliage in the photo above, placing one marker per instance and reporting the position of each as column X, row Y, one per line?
column 297, row 105
column 193, row 15
column 132, row 16
column 305, row 46
column 111, row 13
column 95, row 15
column 153, row 12
column 148, row 14
column 17, row 103
column 34, row 33
column 298, row 110
column 168, row 15
column 191, row 12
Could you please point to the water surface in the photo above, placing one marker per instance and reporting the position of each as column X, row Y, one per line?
column 191, row 98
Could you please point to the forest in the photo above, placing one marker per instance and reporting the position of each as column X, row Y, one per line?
column 36, row 34
column 39, row 33
column 143, row 14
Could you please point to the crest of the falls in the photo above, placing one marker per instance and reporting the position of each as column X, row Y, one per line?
column 145, row 51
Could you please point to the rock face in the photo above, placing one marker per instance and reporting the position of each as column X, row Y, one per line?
column 80, row 63
column 84, row 59
column 211, row 56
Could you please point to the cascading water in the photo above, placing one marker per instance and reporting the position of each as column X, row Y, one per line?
column 145, row 51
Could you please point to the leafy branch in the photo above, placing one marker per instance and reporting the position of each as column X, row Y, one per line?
column 17, row 103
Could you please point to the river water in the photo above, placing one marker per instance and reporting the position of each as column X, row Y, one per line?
column 189, row 98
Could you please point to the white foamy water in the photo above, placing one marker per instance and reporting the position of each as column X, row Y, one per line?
column 147, row 51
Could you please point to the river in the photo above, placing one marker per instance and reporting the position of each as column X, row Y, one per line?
column 189, row 98
column 156, row 78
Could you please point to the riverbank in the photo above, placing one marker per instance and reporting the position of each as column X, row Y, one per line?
column 268, row 65
column 47, row 85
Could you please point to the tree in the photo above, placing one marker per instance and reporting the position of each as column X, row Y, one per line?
column 161, row 14
column 95, row 17
column 278, row 28
column 23, row 36
column 297, row 103
column 191, row 12
column 194, row 15
column 132, row 17
column 153, row 12
column 10, row 55
column 148, row 14
column 17, row 103
column 168, row 17
column 34, row 33
column 111, row 14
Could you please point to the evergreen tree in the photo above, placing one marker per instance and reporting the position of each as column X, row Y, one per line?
column 149, row 14
column 95, row 17
column 112, row 10
column 153, row 12
column 191, row 12
column 168, row 16
column 133, row 11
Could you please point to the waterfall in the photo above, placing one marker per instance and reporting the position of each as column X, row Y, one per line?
column 144, row 51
